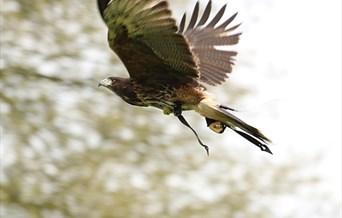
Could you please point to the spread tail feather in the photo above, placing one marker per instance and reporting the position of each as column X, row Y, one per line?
column 210, row 109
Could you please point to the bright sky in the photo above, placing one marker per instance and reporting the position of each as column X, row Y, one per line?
column 290, row 56
column 297, row 63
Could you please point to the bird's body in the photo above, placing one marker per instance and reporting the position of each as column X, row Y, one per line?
column 162, row 96
column 168, row 65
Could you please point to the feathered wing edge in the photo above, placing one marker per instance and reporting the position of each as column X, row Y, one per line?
column 148, row 25
column 102, row 5
column 204, row 38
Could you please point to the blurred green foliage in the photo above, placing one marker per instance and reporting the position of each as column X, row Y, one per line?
column 70, row 149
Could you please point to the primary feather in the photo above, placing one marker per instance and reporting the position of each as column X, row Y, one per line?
column 204, row 39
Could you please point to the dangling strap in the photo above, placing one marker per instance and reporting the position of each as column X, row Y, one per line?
column 185, row 123
column 256, row 142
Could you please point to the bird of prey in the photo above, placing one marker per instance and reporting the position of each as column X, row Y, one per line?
column 169, row 65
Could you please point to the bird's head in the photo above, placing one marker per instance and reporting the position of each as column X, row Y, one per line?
column 114, row 84
column 123, row 88
column 111, row 83
column 108, row 82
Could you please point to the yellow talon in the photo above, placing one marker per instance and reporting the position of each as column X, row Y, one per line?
column 167, row 111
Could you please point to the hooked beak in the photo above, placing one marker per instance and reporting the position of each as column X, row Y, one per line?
column 105, row 82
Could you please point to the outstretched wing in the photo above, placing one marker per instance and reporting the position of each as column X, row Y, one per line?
column 144, row 36
column 214, row 64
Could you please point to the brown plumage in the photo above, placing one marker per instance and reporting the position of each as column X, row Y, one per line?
column 169, row 65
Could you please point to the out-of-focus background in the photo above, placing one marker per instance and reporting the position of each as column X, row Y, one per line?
column 70, row 149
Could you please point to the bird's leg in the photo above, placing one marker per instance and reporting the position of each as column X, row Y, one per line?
column 215, row 125
column 177, row 110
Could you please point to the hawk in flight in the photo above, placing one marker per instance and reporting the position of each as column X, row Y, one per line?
column 169, row 65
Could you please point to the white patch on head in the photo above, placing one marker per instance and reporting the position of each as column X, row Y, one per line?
column 106, row 82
